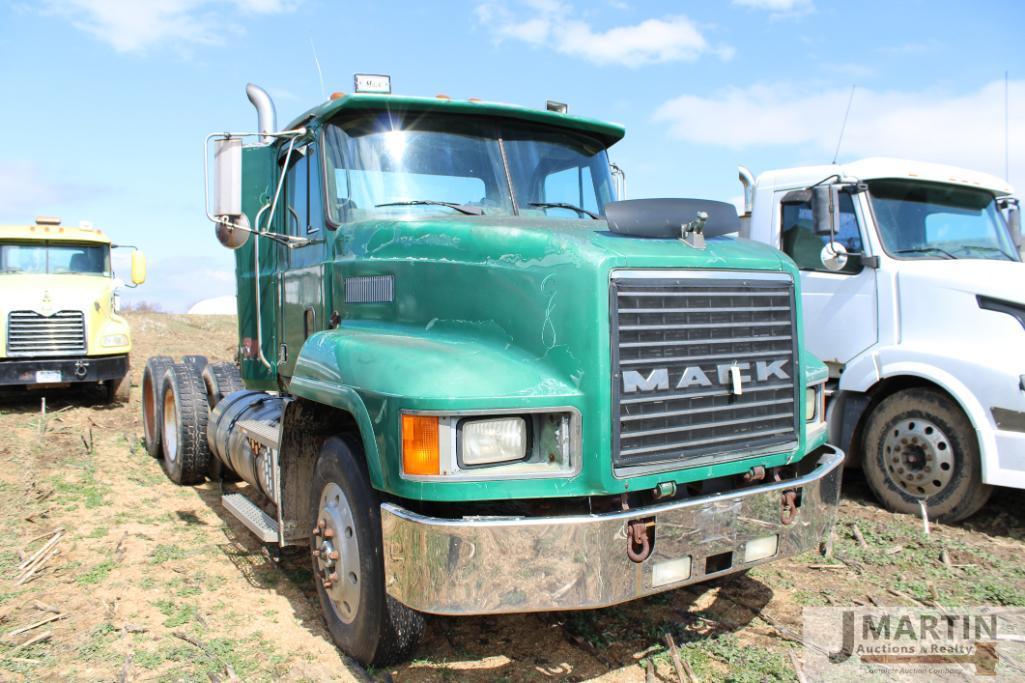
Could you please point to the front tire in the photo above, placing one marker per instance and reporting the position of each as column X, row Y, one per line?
column 919, row 444
column 348, row 565
column 185, row 413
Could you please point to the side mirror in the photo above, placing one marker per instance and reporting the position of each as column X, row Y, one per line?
column 228, row 177
column 138, row 267
column 227, row 201
column 1013, row 209
column 833, row 256
column 824, row 201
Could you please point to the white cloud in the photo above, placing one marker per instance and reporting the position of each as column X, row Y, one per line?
column 777, row 6
column 26, row 191
column 137, row 25
column 175, row 283
column 554, row 24
column 964, row 129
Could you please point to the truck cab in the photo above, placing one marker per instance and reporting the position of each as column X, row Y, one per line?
column 912, row 289
column 476, row 383
column 59, row 312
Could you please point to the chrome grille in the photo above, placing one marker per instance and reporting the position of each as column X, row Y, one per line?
column 676, row 337
column 32, row 334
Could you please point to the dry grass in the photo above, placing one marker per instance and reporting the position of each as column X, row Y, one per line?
column 156, row 582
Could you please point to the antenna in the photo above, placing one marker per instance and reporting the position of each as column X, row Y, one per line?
column 843, row 128
column 320, row 74
column 1007, row 135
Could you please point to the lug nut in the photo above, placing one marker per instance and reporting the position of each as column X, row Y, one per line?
column 333, row 577
column 329, row 533
column 333, row 555
column 316, row 531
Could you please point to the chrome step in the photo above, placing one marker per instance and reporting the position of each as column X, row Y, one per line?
column 255, row 519
column 260, row 431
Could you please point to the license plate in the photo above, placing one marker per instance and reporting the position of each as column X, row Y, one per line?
column 48, row 376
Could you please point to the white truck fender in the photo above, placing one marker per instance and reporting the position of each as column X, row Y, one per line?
column 869, row 369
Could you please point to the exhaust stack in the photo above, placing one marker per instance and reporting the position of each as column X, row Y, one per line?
column 748, row 181
column 266, row 116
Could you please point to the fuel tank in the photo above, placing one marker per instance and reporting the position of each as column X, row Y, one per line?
column 229, row 435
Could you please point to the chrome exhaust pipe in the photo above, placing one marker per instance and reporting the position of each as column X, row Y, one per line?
column 266, row 116
column 747, row 179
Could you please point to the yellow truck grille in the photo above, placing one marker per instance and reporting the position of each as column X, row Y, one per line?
column 32, row 334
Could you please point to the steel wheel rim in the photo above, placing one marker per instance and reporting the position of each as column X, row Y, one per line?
column 336, row 553
column 918, row 456
column 170, row 427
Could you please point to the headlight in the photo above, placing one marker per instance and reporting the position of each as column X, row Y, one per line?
column 115, row 340
column 489, row 441
column 500, row 445
column 814, row 408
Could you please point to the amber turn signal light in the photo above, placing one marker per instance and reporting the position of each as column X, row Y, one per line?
column 420, row 444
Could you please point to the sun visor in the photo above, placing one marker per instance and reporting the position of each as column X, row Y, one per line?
column 666, row 217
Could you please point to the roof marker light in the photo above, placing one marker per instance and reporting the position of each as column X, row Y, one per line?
column 337, row 95
column 442, row 96
column 372, row 83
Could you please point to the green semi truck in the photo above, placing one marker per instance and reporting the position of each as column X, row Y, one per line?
column 471, row 381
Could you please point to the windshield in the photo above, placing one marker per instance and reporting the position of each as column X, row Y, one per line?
column 54, row 258
column 930, row 220
column 387, row 164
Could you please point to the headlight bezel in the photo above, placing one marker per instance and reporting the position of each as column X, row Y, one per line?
column 1011, row 308
column 558, row 426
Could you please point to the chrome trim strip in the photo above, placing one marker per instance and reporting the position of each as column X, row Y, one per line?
column 487, row 565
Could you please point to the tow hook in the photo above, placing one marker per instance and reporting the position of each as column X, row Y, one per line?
column 640, row 535
column 81, row 369
column 788, row 507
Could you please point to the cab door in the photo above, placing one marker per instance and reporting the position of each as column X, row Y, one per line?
column 840, row 308
column 302, row 277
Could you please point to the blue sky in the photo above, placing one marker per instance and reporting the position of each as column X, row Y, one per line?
column 106, row 102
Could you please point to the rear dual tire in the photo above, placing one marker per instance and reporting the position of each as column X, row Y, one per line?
column 152, row 403
column 186, row 454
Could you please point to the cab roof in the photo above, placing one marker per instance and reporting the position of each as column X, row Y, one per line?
column 879, row 168
column 607, row 133
column 63, row 233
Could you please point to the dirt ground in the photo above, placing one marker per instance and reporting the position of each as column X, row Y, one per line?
column 156, row 582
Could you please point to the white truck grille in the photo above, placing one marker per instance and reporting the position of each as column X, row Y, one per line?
column 705, row 366
column 32, row 334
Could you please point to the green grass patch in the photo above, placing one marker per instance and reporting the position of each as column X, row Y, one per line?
column 167, row 552
column 96, row 574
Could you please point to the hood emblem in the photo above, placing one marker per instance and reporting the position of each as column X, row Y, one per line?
column 730, row 375
column 46, row 304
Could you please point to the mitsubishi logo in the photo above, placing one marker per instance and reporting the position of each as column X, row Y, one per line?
column 732, row 375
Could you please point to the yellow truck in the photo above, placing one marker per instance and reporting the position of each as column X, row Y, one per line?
column 59, row 318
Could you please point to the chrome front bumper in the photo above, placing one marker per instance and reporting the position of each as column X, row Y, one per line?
column 533, row 564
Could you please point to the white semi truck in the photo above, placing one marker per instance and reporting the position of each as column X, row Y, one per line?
column 913, row 292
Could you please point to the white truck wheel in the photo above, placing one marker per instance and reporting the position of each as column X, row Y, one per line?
column 920, row 445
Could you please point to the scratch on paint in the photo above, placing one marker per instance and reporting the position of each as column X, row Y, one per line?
column 548, row 327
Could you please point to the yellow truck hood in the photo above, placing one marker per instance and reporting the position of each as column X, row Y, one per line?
column 49, row 294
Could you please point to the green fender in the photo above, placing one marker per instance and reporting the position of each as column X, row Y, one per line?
column 375, row 370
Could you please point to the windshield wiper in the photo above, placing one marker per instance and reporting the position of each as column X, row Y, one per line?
column 467, row 209
column 985, row 249
column 564, row 205
column 926, row 250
